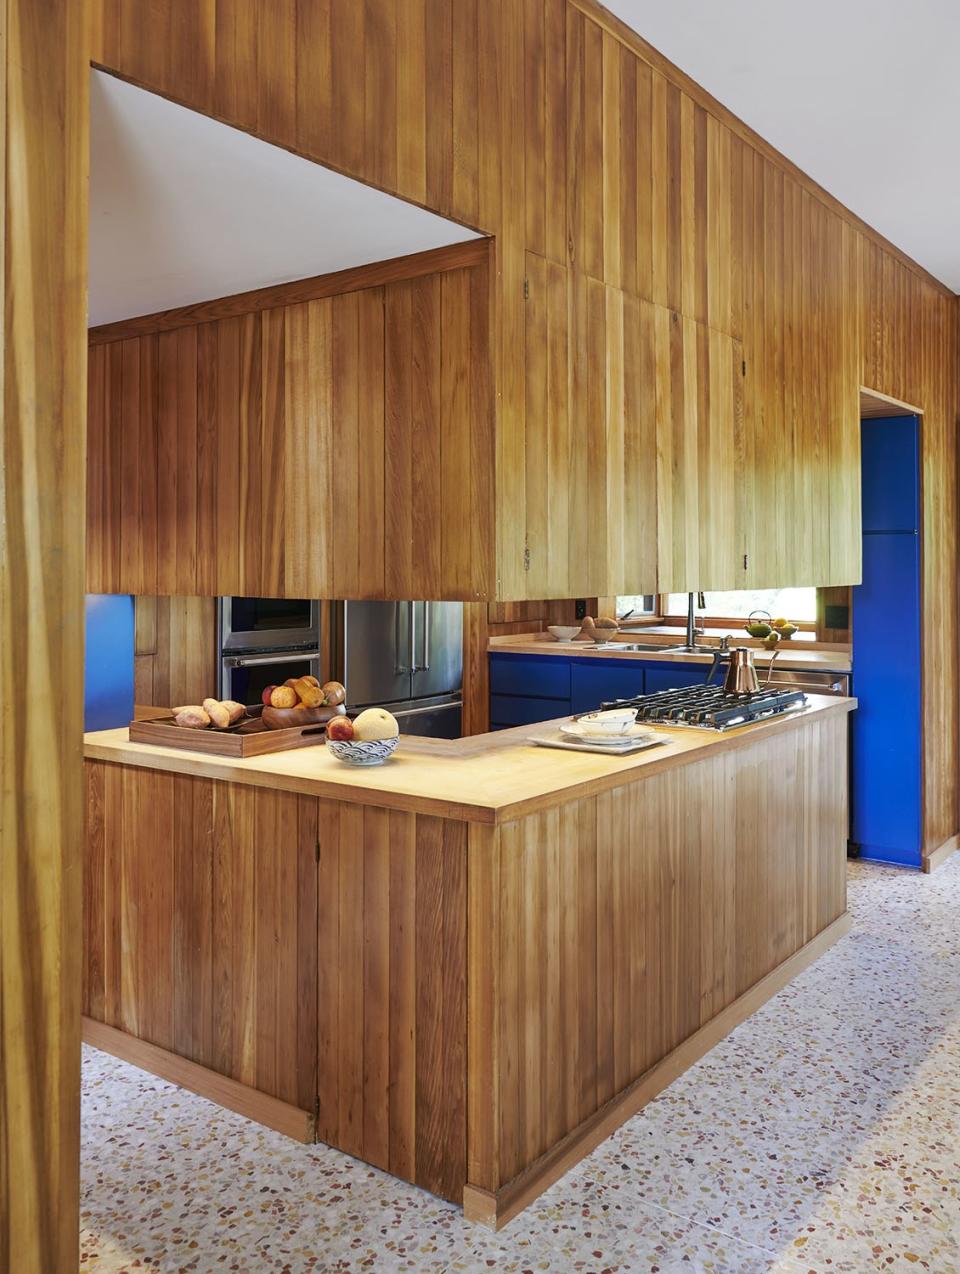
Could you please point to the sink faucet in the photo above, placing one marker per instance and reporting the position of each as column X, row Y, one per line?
column 693, row 600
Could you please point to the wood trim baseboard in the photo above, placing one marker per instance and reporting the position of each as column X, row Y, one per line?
column 937, row 857
column 454, row 256
column 220, row 1089
column 497, row 1209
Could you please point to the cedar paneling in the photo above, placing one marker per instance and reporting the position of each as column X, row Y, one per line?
column 200, row 923
column 392, row 992
column 175, row 650
column 337, row 447
column 611, row 929
column 555, row 128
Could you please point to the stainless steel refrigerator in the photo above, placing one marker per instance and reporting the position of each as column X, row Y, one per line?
column 405, row 656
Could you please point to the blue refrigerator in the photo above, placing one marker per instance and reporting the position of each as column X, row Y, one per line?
column 108, row 663
column 886, row 796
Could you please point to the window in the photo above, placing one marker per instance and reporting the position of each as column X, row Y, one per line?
column 644, row 604
column 797, row 604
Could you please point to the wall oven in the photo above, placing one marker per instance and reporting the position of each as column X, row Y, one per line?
column 265, row 640
column 268, row 623
column 244, row 677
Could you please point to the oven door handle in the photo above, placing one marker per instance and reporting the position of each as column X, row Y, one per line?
column 284, row 657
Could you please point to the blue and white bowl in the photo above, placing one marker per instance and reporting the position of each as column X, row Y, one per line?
column 355, row 752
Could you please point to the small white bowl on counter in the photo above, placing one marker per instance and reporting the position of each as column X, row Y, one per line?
column 563, row 632
column 357, row 752
column 609, row 724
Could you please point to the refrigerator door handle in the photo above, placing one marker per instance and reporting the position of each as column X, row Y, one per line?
column 398, row 667
column 411, row 637
column 435, row 707
column 425, row 666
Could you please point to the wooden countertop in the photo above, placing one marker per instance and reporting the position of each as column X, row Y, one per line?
column 543, row 644
column 487, row 778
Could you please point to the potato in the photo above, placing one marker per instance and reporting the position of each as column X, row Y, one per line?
column 192, row 717
column 217, row 713
column 284, row 697
column 311, row 696
column 235, row 709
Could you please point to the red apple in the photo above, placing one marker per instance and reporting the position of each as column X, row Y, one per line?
column 265, row 697
column 340, row 729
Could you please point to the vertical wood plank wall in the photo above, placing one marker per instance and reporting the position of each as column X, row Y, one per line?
column 43, row 143
column 607, row 931
column 554, row 127
column 175, row 650
column 334, row 447
column 311, row 949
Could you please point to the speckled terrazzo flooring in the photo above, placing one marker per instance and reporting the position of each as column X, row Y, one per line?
column 822, row 1135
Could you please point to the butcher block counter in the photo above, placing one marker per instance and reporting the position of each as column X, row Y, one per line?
column 467, row 966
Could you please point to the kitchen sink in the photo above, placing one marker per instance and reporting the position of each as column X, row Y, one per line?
column 638, row 645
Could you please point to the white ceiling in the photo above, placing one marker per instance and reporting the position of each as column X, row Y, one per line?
column 863, row 95
column 184, row 209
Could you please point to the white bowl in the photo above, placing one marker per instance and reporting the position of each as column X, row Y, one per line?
column 612, row 722
column 563, row 632
column 356, row 752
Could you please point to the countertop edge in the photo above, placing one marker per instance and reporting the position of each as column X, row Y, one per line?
column 201, row 765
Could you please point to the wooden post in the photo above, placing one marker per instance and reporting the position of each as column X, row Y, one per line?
column 42, row 466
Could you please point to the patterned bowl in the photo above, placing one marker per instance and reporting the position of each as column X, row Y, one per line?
column 357, row 753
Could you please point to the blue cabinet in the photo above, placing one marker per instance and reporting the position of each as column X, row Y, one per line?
column 672, row 676
column 525, row 689
column 890, row 474
column 886, row 738
column 596, row 681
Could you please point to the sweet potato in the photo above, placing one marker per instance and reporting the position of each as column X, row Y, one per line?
column 217, row 713
column 192, row 717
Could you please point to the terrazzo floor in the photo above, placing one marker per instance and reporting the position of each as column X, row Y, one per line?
column 822, row 1135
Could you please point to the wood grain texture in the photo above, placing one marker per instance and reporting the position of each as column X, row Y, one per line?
column 560, row 131
column 616, row 928
column 200, row 924
column 175, row 650
column 493, row 778
column 335, row 447
column 43, row 149
column 311, row 952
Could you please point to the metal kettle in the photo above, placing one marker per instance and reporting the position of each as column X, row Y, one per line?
column 741, row 678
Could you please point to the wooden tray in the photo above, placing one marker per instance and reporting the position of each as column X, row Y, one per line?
column 250, row 738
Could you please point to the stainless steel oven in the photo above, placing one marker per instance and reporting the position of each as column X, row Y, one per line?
column 244, row 677
column 249, row 624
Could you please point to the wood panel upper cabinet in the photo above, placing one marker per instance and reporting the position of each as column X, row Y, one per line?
column 339, row 446
column 633, row 435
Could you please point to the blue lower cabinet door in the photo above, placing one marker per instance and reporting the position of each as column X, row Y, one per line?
column 108, row 679
column 599, row 681
column 886, row 727
column 508, row 710
column 669, row 676
column 543, row 676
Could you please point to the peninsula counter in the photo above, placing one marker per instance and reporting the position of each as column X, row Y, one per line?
column 468, row 966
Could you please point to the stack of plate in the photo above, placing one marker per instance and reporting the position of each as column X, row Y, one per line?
column 615, row 731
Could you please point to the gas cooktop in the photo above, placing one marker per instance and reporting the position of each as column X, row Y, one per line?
column 711, row 707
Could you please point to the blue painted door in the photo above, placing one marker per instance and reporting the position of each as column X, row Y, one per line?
column 108, row 681
column 672, row 676
column 886, row 728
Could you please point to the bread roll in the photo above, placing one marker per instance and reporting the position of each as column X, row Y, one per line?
column 284, row 697
column 311, row 696
column 235, row 709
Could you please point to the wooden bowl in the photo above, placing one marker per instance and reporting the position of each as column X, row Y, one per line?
column 284, row 718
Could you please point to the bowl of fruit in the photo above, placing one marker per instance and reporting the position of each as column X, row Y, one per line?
column 370, row 739
column 302, row 701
